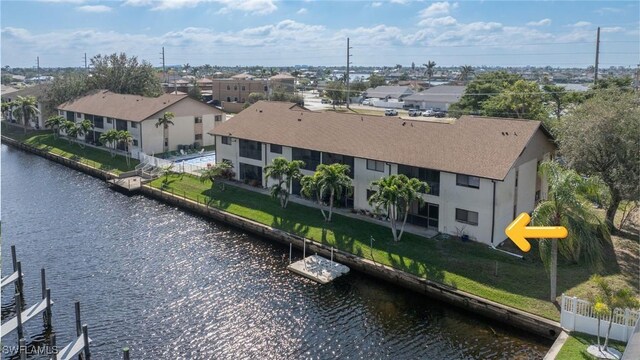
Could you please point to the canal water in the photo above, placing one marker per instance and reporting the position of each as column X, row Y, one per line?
column 171, row 285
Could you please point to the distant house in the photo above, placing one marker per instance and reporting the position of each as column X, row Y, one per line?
column 437, row 97
column 39, row 92
column 139, row 115
column 388, row 92
column 482, row 172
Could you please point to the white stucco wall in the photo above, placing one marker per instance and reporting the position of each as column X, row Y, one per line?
column 527, row 187
column 505, row 191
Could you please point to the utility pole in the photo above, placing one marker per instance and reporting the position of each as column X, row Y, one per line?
column 347, row 75
column 86, row 67
column 38, row 68
column 164, row 70
column 595, row 74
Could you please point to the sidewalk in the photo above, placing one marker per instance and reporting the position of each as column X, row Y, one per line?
column 409, row 228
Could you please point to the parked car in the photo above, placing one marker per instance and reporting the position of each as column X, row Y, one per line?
column 367, row 102
column 325, row 101
column 415, row 112
column 390, row 112
column 428, row 112
column 439, row 114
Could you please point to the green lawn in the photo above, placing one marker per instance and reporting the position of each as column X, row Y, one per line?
column 468, row 266
column 98, row 158
column 575, row 348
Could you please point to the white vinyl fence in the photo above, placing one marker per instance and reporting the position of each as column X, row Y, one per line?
column 577, row 315
column 150, row 162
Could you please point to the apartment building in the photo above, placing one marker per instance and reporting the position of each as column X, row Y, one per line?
column 139, row 115
column 482, row 171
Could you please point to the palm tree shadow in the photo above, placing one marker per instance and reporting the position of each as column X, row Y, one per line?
column 286, row 224
column 419, row 268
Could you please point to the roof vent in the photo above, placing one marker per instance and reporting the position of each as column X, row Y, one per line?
column 404, row 123
column 299, row 119
column 515, row 133
column 507, row 133
column 259, row 110
column 503, row 133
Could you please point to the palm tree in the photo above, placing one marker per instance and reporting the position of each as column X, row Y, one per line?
column 613, row 299
column 429, row 66
column 396, row 194
column 284, row 172
column 55, row 123
column 214, row 172
column 333, row 181
column 125, row 137
column 109, row 138
column 6, row 109
column 165, row 121
column 465, row 71
column 566, row 205
column 25, row 107
column 311, row 190
column 83, row 129
column 70, row 130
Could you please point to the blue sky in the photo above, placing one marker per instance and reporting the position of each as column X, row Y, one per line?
column 272, row 32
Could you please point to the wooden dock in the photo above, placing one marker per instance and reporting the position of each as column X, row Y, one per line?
column 318, row 269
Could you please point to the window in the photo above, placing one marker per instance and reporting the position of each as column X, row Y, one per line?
column 468, row 181
column 198, row 119
column 311, row 158
column 276, row 149
column 198, row 137
column 242, row 87
column 134, row 125
column 228, row 87
column 78, row 115
column 330, row 158
column 370, row 193
column 60, row 112
column 467, row 217
column 135, row 142
column 431, row 177
column 218, row 118
column 375, row 165
column 166, row 141
column 235, row 99
column 226, row 140
column 265, row 88
column 98, row 121
column 109, row 120
column 235, row 87
column 228, row 99
column 251, row 173
column 251, row 149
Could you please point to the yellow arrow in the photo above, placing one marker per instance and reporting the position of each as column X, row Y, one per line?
column 518, row 232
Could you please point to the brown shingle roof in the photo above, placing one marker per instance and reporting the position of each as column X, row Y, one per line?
column 478, row 146
column 120, row 106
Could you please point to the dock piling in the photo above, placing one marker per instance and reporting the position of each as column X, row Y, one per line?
column 332, row 254
column 52, row 342
column 47, row 313
column 290, row 250
column 85, row 335
column 19, row 283
column 125, row 353
column 19, row 314
column 22, row 349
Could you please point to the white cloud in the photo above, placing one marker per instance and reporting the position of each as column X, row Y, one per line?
column 613, row 29
column 94, row 8
column 441, row 21
column 63, row 1
column 401, row 2
column 256, row 7
column 376, row 4
column 605, row 10
column 302, row 11
column 580, row 24
column 543, row 22
column 438, row 8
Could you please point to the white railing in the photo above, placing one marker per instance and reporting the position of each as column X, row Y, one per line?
column 150, row 162
column 577, row 315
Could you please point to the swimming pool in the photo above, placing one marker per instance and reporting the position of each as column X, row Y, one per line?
column 200, row 160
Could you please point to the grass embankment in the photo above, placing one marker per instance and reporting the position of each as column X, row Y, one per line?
column 470, row 267
column 91, row 156
column 575, row 348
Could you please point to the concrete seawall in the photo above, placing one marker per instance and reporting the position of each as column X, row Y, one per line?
column 520, row 319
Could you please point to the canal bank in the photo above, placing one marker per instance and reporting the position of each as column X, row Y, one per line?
column 490, row 309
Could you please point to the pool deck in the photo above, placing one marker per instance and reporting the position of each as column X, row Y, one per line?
column 192, row 156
